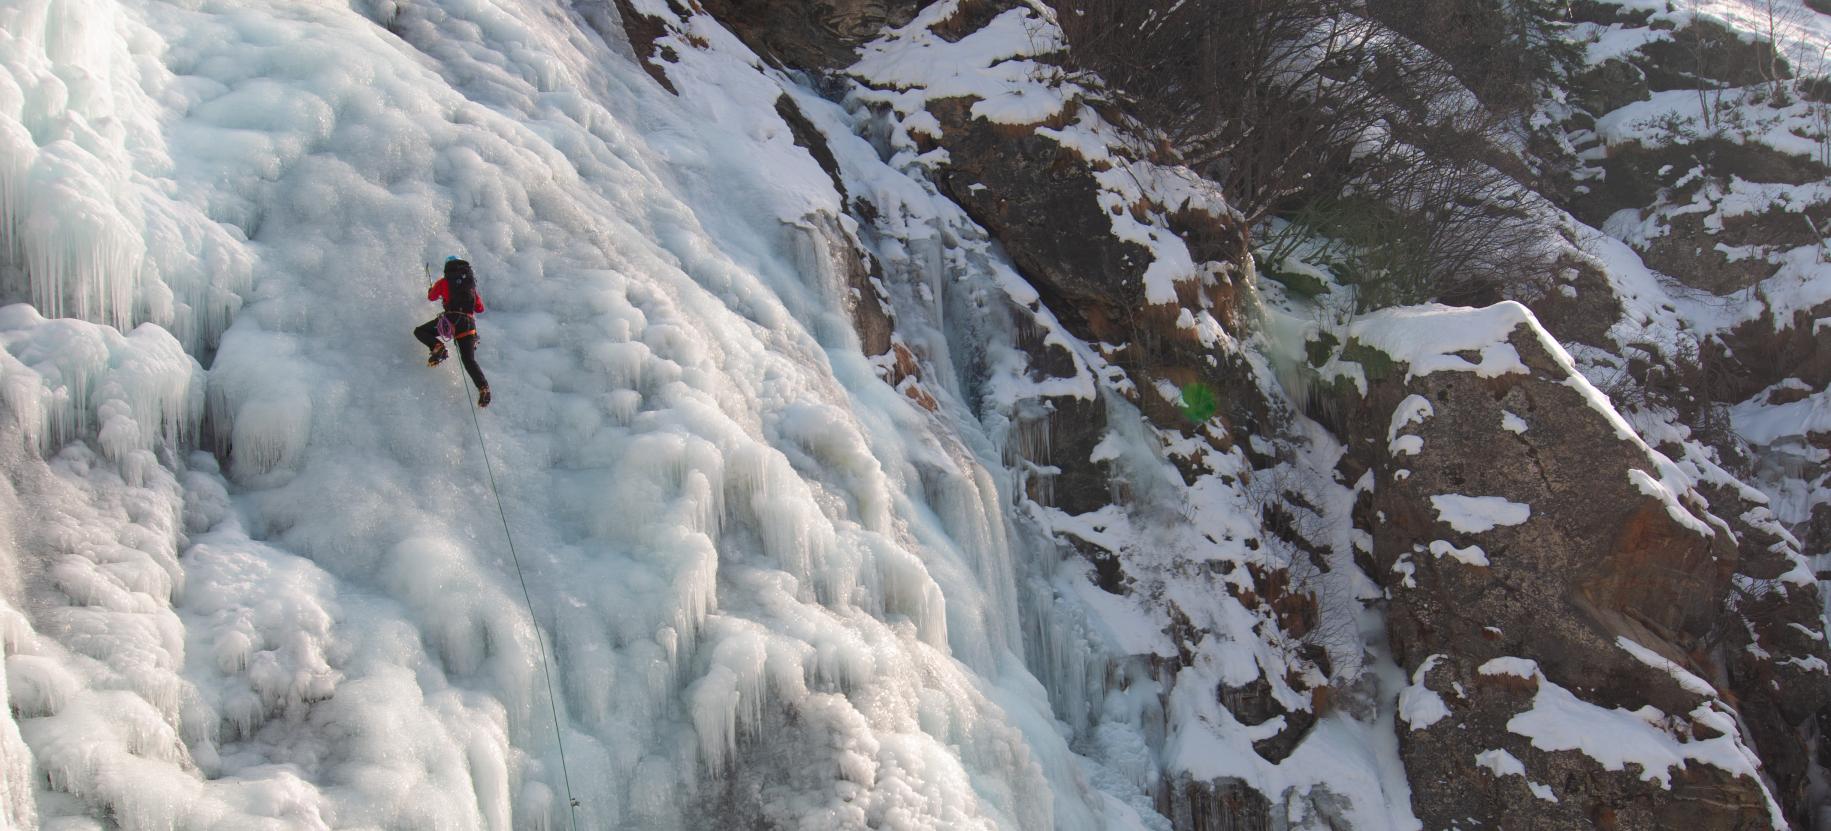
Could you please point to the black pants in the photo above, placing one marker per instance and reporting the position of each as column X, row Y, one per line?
column 428, row 333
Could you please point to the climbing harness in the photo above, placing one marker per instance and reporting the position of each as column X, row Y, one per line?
column 527, row 597
column 448, row 331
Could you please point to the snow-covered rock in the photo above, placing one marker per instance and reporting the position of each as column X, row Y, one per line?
column 1581, row 535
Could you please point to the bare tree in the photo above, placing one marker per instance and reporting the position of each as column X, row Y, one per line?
column 1263, row 96
column 1811, row 84
column 1319, row 112
column 1780, row 25
column 1505, row 51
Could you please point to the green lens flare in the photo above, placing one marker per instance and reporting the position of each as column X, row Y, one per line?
column 1199, row 403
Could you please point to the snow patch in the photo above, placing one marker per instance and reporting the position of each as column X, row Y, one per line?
column 1516, row 667
column 1616, row 738
column 1478, row 514
column 1691, row 683
column 1427, row 338
column 1413, row 410
column 1472, row 555
column 1419, row 705
column 1501, row 763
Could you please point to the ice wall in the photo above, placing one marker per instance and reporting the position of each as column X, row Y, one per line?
column 99, row 220
column 771, row 585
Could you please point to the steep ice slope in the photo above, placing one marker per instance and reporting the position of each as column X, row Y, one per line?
column 730, row 527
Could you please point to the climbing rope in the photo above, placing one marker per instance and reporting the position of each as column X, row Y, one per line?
column 552, row 702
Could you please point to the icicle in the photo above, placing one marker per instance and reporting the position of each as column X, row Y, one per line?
column 703, row 481
column 695, row 585
column 746, row 477
column 810, row 250
column 81, row 253
column 713, row 703
column 1028, row 454
column 17, row 153
column 622, row 405
column 622, row 363
column 661, row 658
column 697, row 506
column 40, row 686
column 15, row 630
column 590, row 668
column 969, row 507
column 18, row 803
column 910, row 591
column 25, row 399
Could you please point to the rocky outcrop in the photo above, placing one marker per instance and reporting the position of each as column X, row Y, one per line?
column 646, row 34
column 1551, row 580
column 1775, row 660
column 1041, row 199
column 1214, row 806
column 1727, row 213
column 1706, row 53
column 1610, row 85
column 812, row 35
column 1764, row 352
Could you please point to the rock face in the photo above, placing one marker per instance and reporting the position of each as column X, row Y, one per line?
column 1728, row 400
column 1602, row 550
column 816, row 35
column 1040, row 198
column 1546, row 589
column 1209, row 806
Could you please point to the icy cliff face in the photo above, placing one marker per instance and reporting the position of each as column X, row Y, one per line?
column 844, row 361
column 770, row 585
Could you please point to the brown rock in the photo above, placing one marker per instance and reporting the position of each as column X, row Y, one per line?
column 643, row 31
column 1218, row 805
column 810, row 34
column 1597, row 560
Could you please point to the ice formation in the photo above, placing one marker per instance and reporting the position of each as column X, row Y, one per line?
column 269, row 586
column 745, row 552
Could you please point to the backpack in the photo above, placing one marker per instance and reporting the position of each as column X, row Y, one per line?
column 460, row 287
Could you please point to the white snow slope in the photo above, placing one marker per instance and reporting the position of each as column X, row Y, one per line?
column 744, row 550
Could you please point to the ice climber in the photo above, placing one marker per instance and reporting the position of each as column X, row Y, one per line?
column 458, row 291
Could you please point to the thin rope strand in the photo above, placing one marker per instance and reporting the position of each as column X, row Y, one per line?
column 528, row 598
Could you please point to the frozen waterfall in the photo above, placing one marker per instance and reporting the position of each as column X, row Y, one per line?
column 747, row 554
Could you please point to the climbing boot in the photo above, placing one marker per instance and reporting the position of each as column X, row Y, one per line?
column 483, row 397
column 438, row 355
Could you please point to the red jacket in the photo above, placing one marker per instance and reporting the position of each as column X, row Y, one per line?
column 439, row 294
